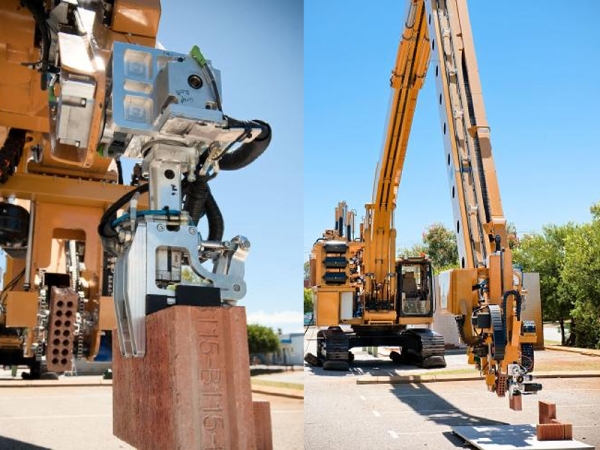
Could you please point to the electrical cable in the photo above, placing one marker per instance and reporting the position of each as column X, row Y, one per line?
column 197, row 55
column 105, row 228
column 147, row 212
column 119, row 170
column 39, row 16
column 144, row 149
column 10, row 285
column 250, row 151
column 213, row 82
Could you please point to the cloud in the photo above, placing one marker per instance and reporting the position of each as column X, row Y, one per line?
column 286, row 319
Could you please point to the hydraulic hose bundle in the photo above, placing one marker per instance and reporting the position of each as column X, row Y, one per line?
column 106, row 230
column 248, row 152
column 198, row 199
column 199, row 202
column 40, row 16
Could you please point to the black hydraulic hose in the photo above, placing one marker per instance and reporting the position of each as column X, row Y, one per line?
column 196, row 194
column 199, row 202
column 216, row 225
column 105, row 229
column 10, row 153
column 39, row 15
column 119, row 171
column 518, row 299
column 248, row 152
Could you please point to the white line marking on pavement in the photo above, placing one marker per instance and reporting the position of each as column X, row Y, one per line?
column 363, row 398
column 393, row 434
column 376, row 414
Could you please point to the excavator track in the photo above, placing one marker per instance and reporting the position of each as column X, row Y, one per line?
column 336, row 349
column 420, row 346
column 423, row 347
column 333, row 350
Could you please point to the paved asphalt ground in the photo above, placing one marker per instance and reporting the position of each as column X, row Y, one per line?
column 80, row 418
column 341, row 413
column 338, row 412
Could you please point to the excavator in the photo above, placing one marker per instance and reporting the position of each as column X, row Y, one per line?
column 83, row 85
column 358, row 282
column 379, row 309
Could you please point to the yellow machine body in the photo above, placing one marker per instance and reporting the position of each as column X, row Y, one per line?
column 64, row 188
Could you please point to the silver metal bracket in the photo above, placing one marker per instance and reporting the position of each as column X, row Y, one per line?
column 136, row 269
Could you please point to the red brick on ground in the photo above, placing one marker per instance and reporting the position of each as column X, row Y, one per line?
column 547, row 412
column 550, row 432
column 262, row 421
column 568, row 429
column 550, row 428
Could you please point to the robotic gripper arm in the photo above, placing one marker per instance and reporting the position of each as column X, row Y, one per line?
column 184, row 145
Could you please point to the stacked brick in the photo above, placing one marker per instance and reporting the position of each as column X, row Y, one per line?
column 549, row 427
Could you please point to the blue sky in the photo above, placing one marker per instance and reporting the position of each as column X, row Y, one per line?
column 539, row 64
column 258, row 47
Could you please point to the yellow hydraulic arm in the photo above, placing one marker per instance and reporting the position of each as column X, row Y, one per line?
column 406, row 80
column 474, row 185
column 485, row 294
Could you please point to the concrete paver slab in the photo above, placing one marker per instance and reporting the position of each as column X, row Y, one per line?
column 512, row 437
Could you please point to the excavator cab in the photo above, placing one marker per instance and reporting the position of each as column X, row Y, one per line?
column 415, row 287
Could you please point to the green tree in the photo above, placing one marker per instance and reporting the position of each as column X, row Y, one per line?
column 511, row 234
column 439, row 244
column 415, row 250
column 308, row 301
column 262, row 339
column 581, row 276
column 544, row 253
column 582, row 263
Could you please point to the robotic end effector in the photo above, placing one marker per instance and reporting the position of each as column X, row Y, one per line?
column 174, row 122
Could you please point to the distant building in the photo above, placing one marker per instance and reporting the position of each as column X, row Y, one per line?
column 290, row 353
column 291, row 350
